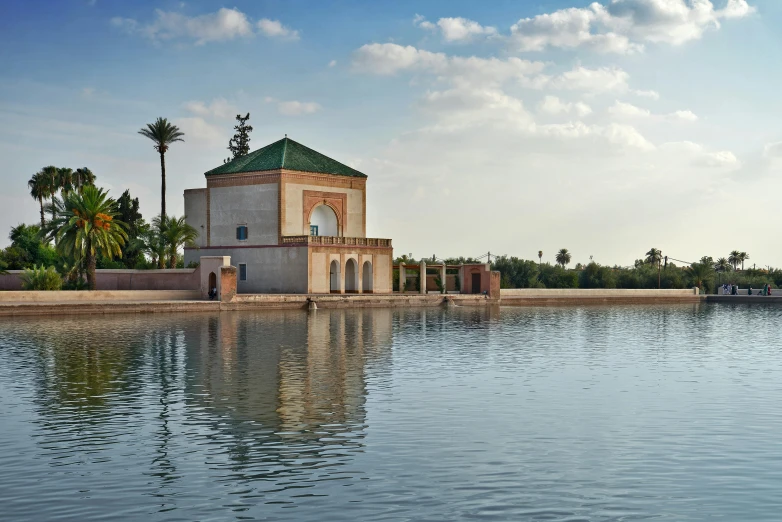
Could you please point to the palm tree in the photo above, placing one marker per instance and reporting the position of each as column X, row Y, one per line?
column 700, row 273
column 175, row 233
column 86, row 228
column 654, row 256
column 65, row 179
column 743, row 256
column 163, row 134
column 50, row 176
column 83, row 177
column 722, row 265
column 563, row 257
column 39, row 191
column 734, row 259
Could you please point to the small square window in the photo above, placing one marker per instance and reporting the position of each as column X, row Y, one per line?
column 242, row 272
column 313, row 230
column 241, row 232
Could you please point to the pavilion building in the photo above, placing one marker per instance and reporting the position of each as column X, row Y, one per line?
column 292, row 220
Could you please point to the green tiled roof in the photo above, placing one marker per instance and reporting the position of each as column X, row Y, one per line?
column 286, row 154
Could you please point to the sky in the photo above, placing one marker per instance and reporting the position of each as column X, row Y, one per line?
column 606, row 128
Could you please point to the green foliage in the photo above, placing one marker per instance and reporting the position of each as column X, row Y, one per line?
column 192, row 264
column 27, row 249
column 172, row 234
column 597, row 276
column 128, row 209
column 41, row 279
column 555, row 276
column 88, row 228
column 517, row 273
column 701, row 274
column 239, row 145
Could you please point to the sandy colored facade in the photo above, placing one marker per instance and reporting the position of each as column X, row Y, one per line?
column 289, row 230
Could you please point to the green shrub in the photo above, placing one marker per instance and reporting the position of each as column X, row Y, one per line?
column 41, row 279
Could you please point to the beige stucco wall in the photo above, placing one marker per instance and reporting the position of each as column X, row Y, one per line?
column 320, row 273
column 195, row 212
column 294, row 200
column 253, row 205
column 381, row 264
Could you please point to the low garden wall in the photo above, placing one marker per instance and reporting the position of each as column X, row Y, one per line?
column 171, row 279
column 86, row 296
column 594, row 292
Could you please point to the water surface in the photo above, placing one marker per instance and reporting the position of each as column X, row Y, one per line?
column 561, row 414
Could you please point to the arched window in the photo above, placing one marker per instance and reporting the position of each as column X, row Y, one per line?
column 323, row 222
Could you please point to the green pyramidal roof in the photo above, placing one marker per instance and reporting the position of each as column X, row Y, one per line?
column 285, row 154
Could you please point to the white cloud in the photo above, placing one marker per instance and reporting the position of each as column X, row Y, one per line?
column 602, row 79
column 623, row 26
column 421, row 22
column 625, row 110
column 197, row 130
column 773, row 150
column 332, row 63
column 462, row 29
column 653, row 95
column 274, row 29
column 224, row 24
column 88, row 92
column 555, row 107
column 219, row 108
column 684, row 115
column 296, row 108
column 699, row 156
column 390, row 58
column 628, row 110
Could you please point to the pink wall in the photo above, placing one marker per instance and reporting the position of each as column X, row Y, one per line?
column 177, row 279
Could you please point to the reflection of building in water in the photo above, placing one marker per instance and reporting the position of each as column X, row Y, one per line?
column 298, row 375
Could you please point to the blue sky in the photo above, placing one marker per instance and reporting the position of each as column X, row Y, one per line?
column 606, row 128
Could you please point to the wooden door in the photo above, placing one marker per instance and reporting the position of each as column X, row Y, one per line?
column 476, row 283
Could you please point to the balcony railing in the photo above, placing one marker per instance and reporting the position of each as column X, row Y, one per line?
column 333, row 240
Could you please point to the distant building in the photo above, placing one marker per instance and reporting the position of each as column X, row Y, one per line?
column 292, row 220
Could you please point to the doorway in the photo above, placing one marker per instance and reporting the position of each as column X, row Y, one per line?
column 351, row 277
column 334, row 277
column 366, row 281
column 476, row 283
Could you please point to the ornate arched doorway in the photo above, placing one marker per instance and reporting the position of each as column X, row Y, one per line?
column 323, row 221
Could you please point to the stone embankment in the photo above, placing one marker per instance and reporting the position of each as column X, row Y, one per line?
column 592, row 296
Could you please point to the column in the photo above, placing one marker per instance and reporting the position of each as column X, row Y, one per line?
column 342, row 273
column 422, row 276
column 402, row 278
column 360, row 264
column 443, row 276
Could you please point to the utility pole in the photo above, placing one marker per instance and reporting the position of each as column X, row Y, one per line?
column 489, row 256
column 659, row 265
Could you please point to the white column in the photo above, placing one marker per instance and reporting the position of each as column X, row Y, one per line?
column 422, row 276
column 402, row 278
column 443, row 276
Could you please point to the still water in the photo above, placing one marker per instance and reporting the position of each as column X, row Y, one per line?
column 558, row 414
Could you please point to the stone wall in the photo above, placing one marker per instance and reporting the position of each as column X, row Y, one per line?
column 171, row 279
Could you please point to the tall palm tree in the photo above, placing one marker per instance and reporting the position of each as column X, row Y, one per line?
column 734, row 258
column 722, row 265
column 176, row 233
column 50, row 176
column 163, row 134
column 83, row 177
column 39, row 191
column 563, row 257
column 654, row 256
column 743, row 256
column 65, row 179
column 87, row 228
